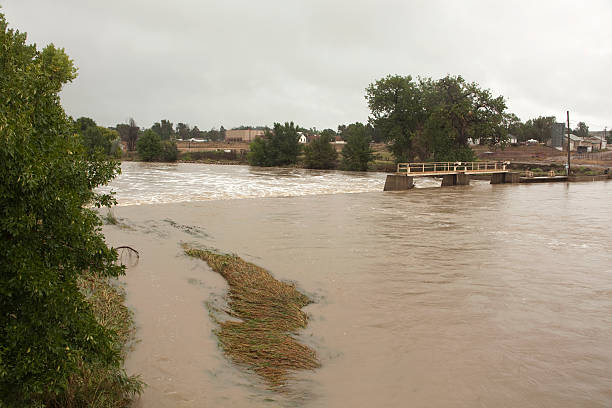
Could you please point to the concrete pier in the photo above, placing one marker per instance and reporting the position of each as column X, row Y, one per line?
column 459, row 179
column 501, row 178
column 396, row 182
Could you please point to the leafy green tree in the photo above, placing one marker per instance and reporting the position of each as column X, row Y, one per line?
column 129, row 133
column 182, row 129
column 396, row 108
column 457, row 111
column 329, row 133
column 434, row 120
column 49, row 233
column 279, row 147
column 539, row 128
column 149, row 146
column 582, row 130
column 357, row 153
column 195, row 132
column 320, row 154
column 514, row 126
column 169, row 151
column 83, row 123
column 96, row 138
column 165, row 129
column 258, row 153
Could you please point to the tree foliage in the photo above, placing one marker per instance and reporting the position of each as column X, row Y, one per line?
column 435, row 119
column 129, row 133
column 320, row 154
column 165, row 129
column 151, row 147
column 357, row 153
column 278, row 147
column 582, row 130
column 49, row 233
column 148, row 146
column 539, row 128
column 97, row 138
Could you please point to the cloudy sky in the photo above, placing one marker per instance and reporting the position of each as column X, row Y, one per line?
column 241, row 62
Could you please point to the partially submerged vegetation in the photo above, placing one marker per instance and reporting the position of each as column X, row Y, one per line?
column 269, row 312
column 102, row 385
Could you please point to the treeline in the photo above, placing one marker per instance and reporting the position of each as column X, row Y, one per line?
column 157, row 143
column 281, row 146
column 424, row 119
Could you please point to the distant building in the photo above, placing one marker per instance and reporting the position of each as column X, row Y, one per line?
column 303, row 139
column 243, row 135
column 557, row 132
column 512, row 139
column 585, row 144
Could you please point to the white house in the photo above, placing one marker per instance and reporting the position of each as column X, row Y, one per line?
column 303, row 139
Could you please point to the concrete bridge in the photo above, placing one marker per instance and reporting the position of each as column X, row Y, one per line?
column 452, row 173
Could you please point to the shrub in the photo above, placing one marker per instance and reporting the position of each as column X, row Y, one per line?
column 149, row 146
column 49, row 233
column 279, row 147
column 357, row 153
column 320, row 154
column 169, row 151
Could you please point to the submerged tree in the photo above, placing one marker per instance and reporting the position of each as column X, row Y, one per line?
column 49, row 233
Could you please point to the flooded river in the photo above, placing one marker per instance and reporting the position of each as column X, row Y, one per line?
column 486, row 295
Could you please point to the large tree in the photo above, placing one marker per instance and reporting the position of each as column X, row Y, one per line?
column 539, row 128
column 582, row 130
column 96, row 138
column 435, row 119
column 320, row 154
column 49, row 232
column 183, row 130
column 165, row 129
column 278, row 147
column 357, row 153
column 396, row 109
column 129, row 133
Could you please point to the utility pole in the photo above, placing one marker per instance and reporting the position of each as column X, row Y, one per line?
column 568, row 146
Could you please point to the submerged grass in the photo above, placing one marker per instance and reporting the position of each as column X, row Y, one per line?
column 269, row 312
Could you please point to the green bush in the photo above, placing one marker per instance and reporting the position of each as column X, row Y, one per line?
column 279, row 147
column 49, row 233
column 169, row 151
column 357, row 153
column 320, row 154
column 149, row 146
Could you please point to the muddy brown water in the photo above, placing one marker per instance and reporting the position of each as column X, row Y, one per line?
column 492, row 296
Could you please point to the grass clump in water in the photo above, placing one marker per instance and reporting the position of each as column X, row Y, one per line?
column 269, row 312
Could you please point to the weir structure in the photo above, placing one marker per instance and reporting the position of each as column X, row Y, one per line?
column 452, row 173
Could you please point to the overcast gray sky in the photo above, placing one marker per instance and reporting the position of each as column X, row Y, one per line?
column 235, row 62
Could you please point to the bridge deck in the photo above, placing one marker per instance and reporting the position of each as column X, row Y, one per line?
column 444, row 168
